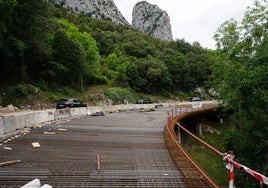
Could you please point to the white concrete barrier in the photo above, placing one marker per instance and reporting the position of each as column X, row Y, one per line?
column 16, row 121
column 19, row 120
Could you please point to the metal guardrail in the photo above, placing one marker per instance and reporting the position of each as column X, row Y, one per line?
column 193, row 174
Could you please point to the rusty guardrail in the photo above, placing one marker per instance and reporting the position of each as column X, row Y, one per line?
column 194, row 175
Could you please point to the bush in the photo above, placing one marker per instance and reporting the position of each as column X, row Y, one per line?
column 23, row 90
column 119, row 95
column 44, row 86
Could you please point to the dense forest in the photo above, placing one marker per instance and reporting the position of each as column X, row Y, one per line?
column 44, row 47
column 41, row 43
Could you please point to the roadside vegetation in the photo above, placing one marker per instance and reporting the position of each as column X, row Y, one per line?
column 240, row 72
column 215, row 134
column 48, row 53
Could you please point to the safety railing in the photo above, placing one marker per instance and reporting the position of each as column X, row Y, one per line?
column 193, row 174
column 182, row 159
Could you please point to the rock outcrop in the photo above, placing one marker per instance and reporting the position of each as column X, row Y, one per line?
column 152, row 20
column 147, row 17
column 100, row 9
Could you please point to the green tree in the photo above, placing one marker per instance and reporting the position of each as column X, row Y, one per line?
column 148, row 75
column 90, row 68
column 244, row 84
column 179, row 71
column 114, row 67
column 6, row 8
column 136, row 74
column 70, row 57
column 25, row 47
column 137, row 44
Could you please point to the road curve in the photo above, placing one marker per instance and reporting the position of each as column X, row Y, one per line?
column 126, row 149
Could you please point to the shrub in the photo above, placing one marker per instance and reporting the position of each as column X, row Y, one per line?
column 118, row 95
column 23, row 90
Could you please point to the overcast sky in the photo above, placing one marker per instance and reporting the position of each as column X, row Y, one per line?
column 193, row 20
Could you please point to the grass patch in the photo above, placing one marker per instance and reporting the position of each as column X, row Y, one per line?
column 210, row 162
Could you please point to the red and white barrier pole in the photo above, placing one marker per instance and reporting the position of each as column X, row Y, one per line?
column 261, row 178
column 231, row 177
column 230, row 156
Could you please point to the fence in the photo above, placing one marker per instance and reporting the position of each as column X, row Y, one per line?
column 181, row 158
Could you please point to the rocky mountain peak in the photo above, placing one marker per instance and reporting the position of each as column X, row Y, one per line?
column 152, row 20
column 99, row 9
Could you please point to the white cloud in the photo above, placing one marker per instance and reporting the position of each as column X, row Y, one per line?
column 193, row 20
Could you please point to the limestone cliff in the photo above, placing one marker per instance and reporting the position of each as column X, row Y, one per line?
column 145, row 16
column 152, row 20
column 101, row 9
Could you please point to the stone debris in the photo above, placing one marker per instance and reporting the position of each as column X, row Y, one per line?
column 35, row 183
column 7, row 148
column 49, row 133
column 97, row 114
column 36, row 145
column 61, row 129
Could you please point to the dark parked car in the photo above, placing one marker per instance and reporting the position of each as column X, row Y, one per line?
column 144, row 101
column 70, row 103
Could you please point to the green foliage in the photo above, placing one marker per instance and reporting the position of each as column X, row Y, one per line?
column 114, row 67
column 148, row 75
column 23, row 90
column 47, row 43
column 86, row 40
column 215, row 134
column 209, row 162
column 69, row 58
column 25, row 48
column 44, row 43
column 14, row 94
column 119, row 95
column 6, row 8
column 240, row 75
column 44, row 86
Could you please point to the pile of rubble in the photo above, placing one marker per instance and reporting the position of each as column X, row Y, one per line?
column 8, row 109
